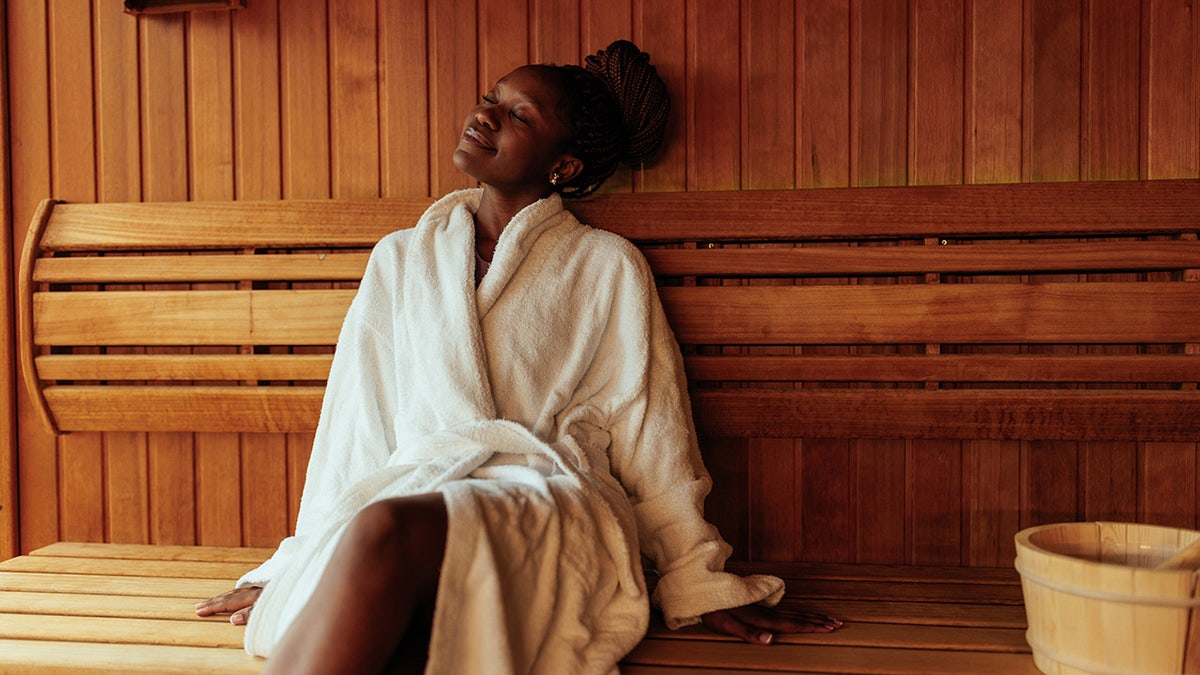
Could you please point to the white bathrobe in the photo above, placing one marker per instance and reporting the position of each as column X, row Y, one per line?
column 548, row 406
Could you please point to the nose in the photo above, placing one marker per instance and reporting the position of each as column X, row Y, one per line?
column 484, row 117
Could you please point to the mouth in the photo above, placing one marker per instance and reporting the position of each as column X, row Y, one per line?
column 474, row 137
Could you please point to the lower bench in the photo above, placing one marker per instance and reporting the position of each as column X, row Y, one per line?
column 91, row 608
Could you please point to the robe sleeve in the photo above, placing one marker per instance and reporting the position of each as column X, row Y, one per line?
column 655, row 456
column 359, row 386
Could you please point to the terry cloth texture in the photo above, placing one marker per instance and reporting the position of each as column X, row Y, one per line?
column 549, row 408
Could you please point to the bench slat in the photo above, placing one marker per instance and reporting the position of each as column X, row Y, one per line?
column 239, row 554
column 837, row 261
column 868, row 634
column 232, row 367
column 846, row 261
column 1001, row 210
column 298, row 266
column 1137, row 368
column 283, row 317
column 132, row 408
column 966, row 414
column 722, row 656
column 811, row 413
column 140, row 568
column 946, row 368
column 168, row 587
column 227, row 225
column 1100, row 312
column 56, row 657
column 85, row 604
column 84, row 629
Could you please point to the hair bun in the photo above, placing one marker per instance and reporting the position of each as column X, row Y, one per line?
column 640, row 93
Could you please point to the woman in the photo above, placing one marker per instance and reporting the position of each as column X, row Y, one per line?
column 506, row 425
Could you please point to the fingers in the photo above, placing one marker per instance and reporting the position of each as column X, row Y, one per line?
column 238, row 601
column 760, row 625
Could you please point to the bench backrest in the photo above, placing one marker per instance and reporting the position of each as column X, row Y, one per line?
column 1032, row 311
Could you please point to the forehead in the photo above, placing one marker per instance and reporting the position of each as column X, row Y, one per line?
column 537, row 84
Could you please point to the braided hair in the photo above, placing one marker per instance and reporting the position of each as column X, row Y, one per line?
column 616, row 108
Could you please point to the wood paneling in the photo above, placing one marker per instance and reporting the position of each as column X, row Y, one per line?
column 365, row 98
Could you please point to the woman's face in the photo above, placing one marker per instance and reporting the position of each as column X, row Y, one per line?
column 513, row 140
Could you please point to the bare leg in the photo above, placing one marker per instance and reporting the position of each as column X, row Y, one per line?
column 381, row 581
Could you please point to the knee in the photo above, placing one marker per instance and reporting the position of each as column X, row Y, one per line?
column 404, row 529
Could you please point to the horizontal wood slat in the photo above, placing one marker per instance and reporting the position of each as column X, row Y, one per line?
column 178, row 408
column 965, row 414
column 226, row 225
column 958, row 259
column 298, row 266
column 839, row 261
column 810, row 413
column 229, row 571
column 1101, row 312
column 248, row 555
column 1138, row 368
column 1039, row 368
column 61, row 657
column 1001, row 210
column 119, row 630
column 167, row 367
column 191, row 318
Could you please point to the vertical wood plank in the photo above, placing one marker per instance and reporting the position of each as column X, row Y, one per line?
column 73, row 149
column 994, row 87
column 1049, row 482
column 828, row 506
column 713, row 96
column 264, row 496
column 935, row 156
column 453, row 88
column 880, row 527
column 1170, row 88
column 9, row 545
column 768, row 144
column 768, row 157
column 1108, row 489
column 354, row 99
column 823, row 120
column 661, row 30
column 992, row 502
column 171, row 475
column 256, row 100
column 935, row 498
column 1111, row 124
column 299, row 449
column 304, row 99
column 1052, row 95
column 118, row 148
column 505, row 45
column 126, row 476
column 725, row 508
column 29, row 117
column 210, row 81
column 554, row 31
column 600, row 23
column 1167, row 478
column 880, row 106
column 403, row 117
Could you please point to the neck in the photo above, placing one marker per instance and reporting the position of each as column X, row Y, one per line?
column 494, row 213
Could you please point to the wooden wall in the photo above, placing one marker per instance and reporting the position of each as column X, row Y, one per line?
column 365, row 98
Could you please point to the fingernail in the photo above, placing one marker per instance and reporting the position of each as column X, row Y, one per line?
column 765, row 638
column 237, row 620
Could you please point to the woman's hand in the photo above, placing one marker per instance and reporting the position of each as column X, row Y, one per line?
column 239, row 601
column 759, row 625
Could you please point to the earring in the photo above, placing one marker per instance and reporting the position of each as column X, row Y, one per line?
column 554, row 178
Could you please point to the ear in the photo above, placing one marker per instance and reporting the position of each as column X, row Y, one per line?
column 568, row 168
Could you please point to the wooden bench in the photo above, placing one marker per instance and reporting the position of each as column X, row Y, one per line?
column 960, row 312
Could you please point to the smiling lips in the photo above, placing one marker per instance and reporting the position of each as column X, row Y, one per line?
column 474, row 137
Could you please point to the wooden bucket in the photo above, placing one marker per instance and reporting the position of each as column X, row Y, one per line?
column 1096, row 603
